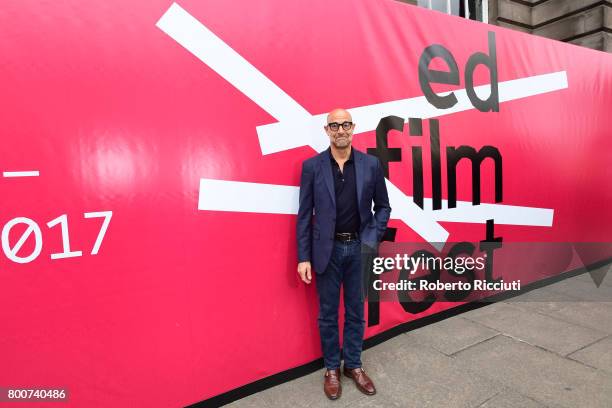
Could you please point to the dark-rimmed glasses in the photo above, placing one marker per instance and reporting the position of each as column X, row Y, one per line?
column 335, row 126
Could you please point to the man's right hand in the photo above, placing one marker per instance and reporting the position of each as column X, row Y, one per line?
column 304, row 270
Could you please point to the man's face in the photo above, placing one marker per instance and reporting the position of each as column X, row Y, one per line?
column 343, row 136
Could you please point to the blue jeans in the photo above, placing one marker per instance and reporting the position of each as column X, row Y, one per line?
column 344, row 269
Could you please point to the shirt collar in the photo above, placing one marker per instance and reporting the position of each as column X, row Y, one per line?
column 351, row 158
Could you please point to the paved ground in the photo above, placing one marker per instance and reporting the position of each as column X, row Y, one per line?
column 551, row 349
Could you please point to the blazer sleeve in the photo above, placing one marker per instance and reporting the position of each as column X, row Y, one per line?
column 382, row 208
column 304, row 218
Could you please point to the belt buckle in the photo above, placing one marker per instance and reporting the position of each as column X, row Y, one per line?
column 345, row 236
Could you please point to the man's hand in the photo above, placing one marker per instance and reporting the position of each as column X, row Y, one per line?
column 304, row 269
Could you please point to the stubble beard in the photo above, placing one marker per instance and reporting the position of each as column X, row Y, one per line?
column 342, row 145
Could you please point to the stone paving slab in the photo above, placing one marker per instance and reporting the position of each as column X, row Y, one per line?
column 537, row 329
column 544, row 294
column 607, row 280
column 406, row 374
column 452, row 335
column 539, row 374
column 598, row 355
column 541, row 300
column 416, row 375
column 595, row 315
column 511, row 399
column 468, row 361
column 255, row 400
column 377, row 401
column 307, row 391
column 583, row 289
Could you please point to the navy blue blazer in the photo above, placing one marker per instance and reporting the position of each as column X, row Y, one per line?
column 315, row 234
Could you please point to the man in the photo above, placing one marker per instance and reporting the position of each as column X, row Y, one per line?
column 340, row 185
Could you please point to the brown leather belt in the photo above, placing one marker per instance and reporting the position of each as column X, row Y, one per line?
column 346, row 236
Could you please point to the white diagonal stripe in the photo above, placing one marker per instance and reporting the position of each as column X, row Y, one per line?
column 281, row 136
column 239, row 196
column 214, row 52
column 33, row 173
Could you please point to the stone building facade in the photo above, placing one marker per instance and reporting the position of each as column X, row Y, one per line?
column 583, row 22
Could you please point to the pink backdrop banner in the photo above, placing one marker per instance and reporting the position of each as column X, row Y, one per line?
column 151, row 155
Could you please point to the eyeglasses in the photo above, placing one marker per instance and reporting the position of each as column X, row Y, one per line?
column 334, row 126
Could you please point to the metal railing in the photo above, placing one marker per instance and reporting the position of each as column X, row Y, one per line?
column 471, row 9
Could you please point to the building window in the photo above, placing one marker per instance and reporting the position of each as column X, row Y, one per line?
column 472, row 9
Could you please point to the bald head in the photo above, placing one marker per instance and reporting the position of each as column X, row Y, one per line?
column 339, row 113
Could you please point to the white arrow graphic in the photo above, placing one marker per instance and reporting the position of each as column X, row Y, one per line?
column 240, row 196
column 273, row 137
column 296, row 127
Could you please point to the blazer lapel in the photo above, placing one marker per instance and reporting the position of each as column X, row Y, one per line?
column 327, row 175
column 358, row 173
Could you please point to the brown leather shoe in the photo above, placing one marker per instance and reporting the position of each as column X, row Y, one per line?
column 332, row 386
column 363, row 382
